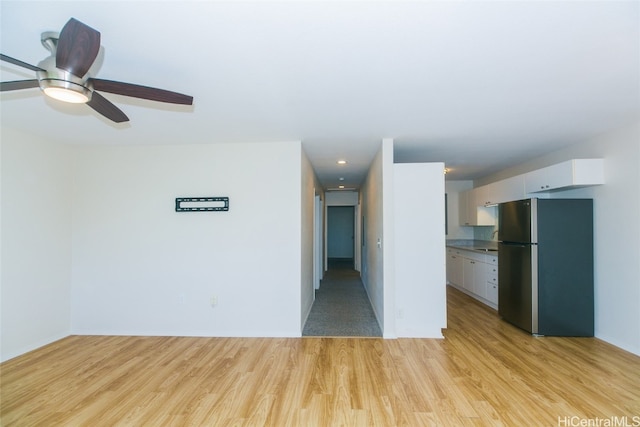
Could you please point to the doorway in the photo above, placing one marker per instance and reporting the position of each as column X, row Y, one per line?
column 341, row 236
column 341, row 306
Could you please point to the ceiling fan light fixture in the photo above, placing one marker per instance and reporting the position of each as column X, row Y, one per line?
column 65, row 91
column 67, row 74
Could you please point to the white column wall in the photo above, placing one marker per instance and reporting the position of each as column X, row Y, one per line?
column 35, row 287
column 309, row 188
column 420, row 278
column 372, row 256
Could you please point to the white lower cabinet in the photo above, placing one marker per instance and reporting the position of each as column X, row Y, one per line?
column 474, row 273
column 474, row 276
column 480, row 281
column 492, row 293
column 492, row 281
column 454, row 266
column 467, row 274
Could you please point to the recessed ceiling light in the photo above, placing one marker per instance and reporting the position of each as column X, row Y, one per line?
column 342, row 162
column 341, row 178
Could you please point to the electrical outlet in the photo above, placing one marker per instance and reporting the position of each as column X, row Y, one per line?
column 213, row 301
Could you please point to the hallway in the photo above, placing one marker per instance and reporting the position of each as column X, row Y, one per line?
column 341, row 307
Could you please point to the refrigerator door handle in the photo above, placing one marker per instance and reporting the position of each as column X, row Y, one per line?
column 534, row 221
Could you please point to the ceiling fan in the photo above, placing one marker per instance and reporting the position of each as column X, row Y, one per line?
column 66, row 74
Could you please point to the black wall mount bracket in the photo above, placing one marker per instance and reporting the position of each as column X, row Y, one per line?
column 202, row 204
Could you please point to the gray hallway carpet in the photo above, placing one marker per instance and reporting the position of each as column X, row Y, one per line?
column 341, row 308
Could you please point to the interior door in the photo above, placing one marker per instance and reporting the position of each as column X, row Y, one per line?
column 340, row 232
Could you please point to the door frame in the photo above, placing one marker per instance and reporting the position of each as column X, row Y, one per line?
column 318, row 221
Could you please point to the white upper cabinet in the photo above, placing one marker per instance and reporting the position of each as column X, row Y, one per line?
column 501, row 191
column 463, row 208
column 477, row 206
column 507, row 190
column 471, row 208
column 481, row 195
column 466, row 208
column 565, row 175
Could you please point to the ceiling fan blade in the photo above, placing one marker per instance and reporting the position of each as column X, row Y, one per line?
column 105, row 107
column 143, row 92
column 19, row 63
column 18, row 84
column 78, row 47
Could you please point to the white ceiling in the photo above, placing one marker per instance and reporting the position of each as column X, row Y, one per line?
column 478, row 85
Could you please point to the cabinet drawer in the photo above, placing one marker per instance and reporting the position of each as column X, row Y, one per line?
column 476, row 256
column 493, row 279
column 492, row 271
column 492, row 293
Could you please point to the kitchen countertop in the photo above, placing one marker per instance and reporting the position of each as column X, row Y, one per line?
column 481, row 246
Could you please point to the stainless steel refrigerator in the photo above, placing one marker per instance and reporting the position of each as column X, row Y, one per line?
column 545, row 265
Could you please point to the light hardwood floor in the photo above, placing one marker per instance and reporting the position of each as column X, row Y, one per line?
column 485, row 372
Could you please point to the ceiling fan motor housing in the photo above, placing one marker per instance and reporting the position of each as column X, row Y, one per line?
column 59, row 83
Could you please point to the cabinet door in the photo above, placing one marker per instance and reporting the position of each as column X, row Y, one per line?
column 549, row 178
column 572, row 173
column 468, row 276
column 483, row 215
column 482, row 195
column 450, row 261
column 507, row 190
column 463, row 207
column 454, row 268
column 471, row 208
column 480, row 279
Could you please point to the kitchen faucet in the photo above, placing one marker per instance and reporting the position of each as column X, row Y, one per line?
column 494, row 233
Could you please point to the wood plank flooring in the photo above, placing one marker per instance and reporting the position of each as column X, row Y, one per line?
column 485, row 372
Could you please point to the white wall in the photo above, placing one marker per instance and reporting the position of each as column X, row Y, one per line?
column 420, row 278
column 36, row 242
column 140, row 268
column 388, row 240
column 309, row 188
column 372, row 256
column 342, row 198
column 616, row 230
column 455, row 230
